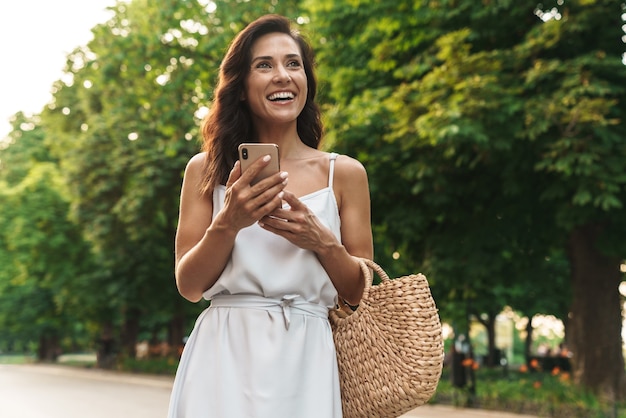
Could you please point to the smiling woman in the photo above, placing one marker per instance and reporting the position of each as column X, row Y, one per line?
column 272, row 256
column 37, row 61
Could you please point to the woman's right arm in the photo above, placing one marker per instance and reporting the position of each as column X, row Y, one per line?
column 203, row 244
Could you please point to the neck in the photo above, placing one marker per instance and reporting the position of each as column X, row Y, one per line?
column 286, row 137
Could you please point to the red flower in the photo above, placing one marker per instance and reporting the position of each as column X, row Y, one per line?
column 468, row 362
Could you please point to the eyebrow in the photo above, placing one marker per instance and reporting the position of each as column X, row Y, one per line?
column 270, row 58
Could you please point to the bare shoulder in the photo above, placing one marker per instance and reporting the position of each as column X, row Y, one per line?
column 350, row 182
column 193, row 170
column 196, row 162
column 349, row 169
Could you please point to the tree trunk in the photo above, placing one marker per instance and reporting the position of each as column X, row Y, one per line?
column 130, row 333
column 48, row 349
column 528, row 343
column 106, row 347
column 595, row 325
column 492, row 359
column 176, row 332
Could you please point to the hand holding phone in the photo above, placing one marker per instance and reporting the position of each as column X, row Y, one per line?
column 250, row 152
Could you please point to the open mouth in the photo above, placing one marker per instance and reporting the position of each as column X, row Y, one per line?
column 281, row 96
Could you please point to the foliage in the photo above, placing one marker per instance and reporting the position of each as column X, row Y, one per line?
column 163, row 365
column 41, row 250
column 15, row 359
column 119, row 130
column 490, row 136
column 550, row 394
column 435, row 134
column 123, row 130
column 491, row 131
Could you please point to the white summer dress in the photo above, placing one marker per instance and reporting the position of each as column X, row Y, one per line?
column 264, row 347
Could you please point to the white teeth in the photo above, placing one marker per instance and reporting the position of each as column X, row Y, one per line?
column 281, row 95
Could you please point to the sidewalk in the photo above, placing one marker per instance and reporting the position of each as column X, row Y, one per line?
column 165, row 382
column 443, row 411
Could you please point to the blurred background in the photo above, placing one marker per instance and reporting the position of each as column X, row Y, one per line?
column 492, row 131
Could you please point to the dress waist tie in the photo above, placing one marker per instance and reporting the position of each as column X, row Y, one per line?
column 287, row 304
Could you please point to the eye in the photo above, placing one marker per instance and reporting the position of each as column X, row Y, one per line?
column 263, row 65
column 294, row 63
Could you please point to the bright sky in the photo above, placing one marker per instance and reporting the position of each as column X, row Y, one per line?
column 35, row 37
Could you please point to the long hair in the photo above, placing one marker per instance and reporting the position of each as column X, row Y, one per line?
column 229, row 122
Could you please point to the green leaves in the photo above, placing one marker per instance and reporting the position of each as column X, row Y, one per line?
column 488, row 135
column 41, row 251
column 469, row 122
column 491, row 132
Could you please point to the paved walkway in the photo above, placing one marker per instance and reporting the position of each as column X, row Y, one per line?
column 442, row 411
column 157, row 388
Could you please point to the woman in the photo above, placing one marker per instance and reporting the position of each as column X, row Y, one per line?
column 272, row 257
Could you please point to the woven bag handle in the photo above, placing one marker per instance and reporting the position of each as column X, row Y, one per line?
column 367, row 264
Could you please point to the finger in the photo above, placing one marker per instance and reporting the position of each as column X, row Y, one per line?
column 276, row 225
column 235, row 174
column 280, row 213
column 255, row 168
column 293, row 201
column 279, row 218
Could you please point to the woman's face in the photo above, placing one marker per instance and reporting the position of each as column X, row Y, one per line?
column 276, row 85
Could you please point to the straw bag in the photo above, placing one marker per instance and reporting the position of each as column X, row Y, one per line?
column 390, row 350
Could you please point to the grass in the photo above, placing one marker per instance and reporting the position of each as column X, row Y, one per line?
column 16, row 359
column 157, row 365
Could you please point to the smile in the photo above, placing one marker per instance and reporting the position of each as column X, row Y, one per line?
column 281, row 96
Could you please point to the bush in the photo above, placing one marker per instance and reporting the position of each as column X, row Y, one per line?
column 544, row 394
column 160, row 365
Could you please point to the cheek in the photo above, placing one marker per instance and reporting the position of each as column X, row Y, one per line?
column 304, row 87
column 305, row 93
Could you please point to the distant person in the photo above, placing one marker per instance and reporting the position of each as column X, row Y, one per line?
column 272, row 257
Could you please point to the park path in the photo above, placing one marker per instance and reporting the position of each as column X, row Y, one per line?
column 42, row 391
column 51, row 391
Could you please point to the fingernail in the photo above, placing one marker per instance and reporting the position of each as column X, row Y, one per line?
column 267, row 158
column 281, row 194
column 284, row 175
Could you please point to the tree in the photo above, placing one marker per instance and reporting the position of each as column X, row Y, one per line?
column 41, row 251
column 575, row 74
column 123, row 124
column 123, row 130
column 452, row 168
column 495, row 135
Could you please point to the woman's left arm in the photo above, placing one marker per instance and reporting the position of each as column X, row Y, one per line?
column 353, row 198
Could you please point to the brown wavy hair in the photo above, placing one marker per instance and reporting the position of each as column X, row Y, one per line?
column 229, row 122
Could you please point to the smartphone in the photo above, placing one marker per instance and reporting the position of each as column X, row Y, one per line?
column 250, row 152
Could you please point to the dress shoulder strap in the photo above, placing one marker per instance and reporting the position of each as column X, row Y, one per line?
column 331, row 171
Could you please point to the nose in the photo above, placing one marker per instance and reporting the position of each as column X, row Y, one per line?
column 282, row 75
